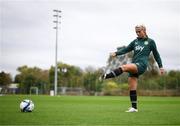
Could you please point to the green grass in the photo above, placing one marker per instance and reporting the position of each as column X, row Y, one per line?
column 90, row 110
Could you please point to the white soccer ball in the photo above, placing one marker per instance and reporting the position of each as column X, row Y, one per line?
column 26, row 106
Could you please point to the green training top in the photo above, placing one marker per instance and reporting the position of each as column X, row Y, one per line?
column 142, row 48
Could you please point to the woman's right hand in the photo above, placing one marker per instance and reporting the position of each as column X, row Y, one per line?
column 113, row 54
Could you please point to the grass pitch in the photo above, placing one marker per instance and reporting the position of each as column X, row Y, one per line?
column 90, row 110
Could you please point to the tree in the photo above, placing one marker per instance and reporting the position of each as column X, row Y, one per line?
column 32, row 76
column 5, row 79
column 68, row 76
column 91, row 80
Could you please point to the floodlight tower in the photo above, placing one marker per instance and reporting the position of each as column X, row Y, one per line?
column 57, row 22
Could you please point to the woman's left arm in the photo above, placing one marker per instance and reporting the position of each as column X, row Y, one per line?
column 157, row 57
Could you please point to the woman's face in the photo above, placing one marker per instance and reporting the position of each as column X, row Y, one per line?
column 140, row 33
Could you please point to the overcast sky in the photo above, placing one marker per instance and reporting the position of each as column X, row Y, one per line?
column 90, row 30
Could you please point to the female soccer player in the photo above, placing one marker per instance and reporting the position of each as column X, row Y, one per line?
column 142, row 47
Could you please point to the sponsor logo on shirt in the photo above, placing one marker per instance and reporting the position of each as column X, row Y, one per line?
column 139, row 48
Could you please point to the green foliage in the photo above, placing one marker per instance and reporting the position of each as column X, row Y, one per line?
column 124, row 86
column 88, row 79
column 110, row 85
column 91, row 82
column 29, row 77
column 111, row 88
column 68, row 76
column 171, row 80
column 5, row 79
column 168, row 82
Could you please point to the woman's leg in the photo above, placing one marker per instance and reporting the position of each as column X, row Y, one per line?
column 132, row 68
column 132, row 81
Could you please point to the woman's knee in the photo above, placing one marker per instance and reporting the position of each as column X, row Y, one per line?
column 129, row 68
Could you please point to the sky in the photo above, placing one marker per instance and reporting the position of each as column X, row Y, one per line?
column 89, row 31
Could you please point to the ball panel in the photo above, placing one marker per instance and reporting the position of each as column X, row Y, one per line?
column 26, row 106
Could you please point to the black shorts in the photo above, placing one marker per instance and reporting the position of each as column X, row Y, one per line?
column 141, row 69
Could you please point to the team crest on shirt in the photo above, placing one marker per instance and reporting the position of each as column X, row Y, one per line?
column 146, row 42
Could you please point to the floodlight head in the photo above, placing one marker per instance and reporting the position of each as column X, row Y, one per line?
column 57, row 11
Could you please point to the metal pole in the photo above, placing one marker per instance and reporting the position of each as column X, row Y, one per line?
column 55, row 82
column 56, row 50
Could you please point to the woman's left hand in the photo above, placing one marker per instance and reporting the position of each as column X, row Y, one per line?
column 162, row 71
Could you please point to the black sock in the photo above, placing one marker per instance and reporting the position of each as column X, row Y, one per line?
column 133, row 98
column 114, row 73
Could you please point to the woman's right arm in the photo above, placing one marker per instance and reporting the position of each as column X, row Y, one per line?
column 123, row 50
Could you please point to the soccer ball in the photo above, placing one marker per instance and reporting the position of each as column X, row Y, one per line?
column 26, row 106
